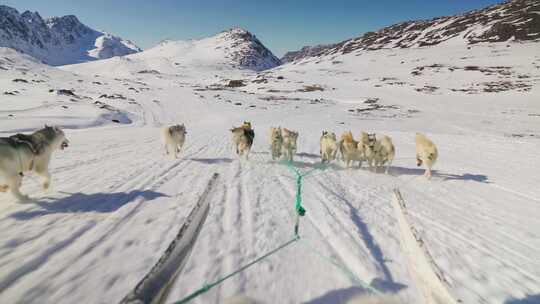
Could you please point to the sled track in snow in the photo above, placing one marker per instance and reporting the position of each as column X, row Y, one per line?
column 152, row 182
column 153, row 288
column 427, row 274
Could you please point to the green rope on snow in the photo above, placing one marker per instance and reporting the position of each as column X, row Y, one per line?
column 300, row 211
column 206, row 287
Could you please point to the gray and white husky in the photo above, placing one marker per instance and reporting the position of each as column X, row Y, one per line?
column 379, row 151
column 276, row 141
column 173, row 138
column 289, row 144
column 21, row 153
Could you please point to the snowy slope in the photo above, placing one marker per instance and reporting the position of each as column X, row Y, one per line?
column 116, row 201
column 514, row 20
column 58, row 40
column 234, row 51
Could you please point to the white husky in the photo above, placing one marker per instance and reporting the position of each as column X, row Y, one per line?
column 22, row 153
column 426, row 153
column 380, row 151
column 329, row 146
column 276, row 142
column 289, row 144
column 173, row 138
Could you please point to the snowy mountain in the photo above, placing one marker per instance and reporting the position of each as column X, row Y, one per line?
column 233, row 51
column 58, row 40
column 234, row 48
column 245, row 50
column 517, row 20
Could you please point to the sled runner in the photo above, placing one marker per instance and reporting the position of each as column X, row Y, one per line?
column 154, row 287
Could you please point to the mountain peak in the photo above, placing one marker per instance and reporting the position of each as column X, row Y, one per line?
column 64, row 21
column 234, row 48
column 5, row 10
column 237, row 30
column 248, row 51
column 58, row 40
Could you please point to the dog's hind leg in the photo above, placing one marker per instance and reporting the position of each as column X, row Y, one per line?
column 387, row 167
column 14, row 184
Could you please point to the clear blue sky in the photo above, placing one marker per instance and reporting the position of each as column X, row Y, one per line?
column 280, row 25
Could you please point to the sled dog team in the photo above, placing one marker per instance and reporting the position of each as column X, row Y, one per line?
column 22, row 153
column 376, row 151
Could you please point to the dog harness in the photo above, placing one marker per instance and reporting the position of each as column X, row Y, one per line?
column 18, row 140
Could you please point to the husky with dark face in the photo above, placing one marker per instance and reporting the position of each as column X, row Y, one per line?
column 21, row 153
column 243, row 137
column 379, row 151
column 173, row 138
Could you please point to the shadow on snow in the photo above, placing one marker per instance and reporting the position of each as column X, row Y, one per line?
column 481, row 178
column 213, row 160
column 81, row 202
column 529, row 299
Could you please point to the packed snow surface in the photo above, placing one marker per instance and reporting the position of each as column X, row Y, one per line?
column 117, row 201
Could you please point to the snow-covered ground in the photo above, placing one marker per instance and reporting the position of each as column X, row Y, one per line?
column 116, row 201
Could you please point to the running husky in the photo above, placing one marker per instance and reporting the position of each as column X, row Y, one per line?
column 379, row 152
column 276, row 142
column 349, row 149
column 426, row 153
column 22, row 153
column 289, row 144
column 328, row 146
column 173, row 137
column 243, row 137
